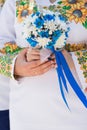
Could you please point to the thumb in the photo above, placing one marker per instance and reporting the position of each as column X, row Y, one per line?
column 23, row 53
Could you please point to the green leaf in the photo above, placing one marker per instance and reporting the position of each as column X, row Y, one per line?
column 16, row 13
column 7, row 49
column 23, row 3
column 35, row 9
column 66, row 7
column 78, row 53
column 85, row 24
column 51, row 7
column 60, row 2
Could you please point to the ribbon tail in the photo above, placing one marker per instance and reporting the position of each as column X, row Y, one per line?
column 61, row 70
column 72, row 80
column 61, row 77
column 61, row 88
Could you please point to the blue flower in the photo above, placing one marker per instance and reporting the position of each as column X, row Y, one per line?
column 49, row 17
column 33, row 15
column 50, row 45
column 39, row 22
column 44, row 34
column 66, row 34
column 37, row 13
column 32, row 42
column 56, row 35
column 62, row 18
column 32, row 36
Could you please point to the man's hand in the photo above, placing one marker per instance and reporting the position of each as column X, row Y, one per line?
column 33, row 67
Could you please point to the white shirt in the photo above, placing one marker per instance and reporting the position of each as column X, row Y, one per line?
column 27, row 100
column 36, row 102
column 9, row 32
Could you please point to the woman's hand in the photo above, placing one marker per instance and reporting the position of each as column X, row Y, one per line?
column 33, row 66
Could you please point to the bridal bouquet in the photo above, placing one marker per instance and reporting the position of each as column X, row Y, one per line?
column 49, row 30
column 46, row 30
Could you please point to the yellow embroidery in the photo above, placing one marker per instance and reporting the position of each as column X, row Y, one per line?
column 82, row 60
column 73, row 3
column 74, row 10
column 24, row 8
column 76, row 14
column 9, row 52
column 75, row 47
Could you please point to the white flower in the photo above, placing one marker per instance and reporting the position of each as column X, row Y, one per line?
column 61, row 41
column 43, row 41
column 50, row 32
column 50, row 25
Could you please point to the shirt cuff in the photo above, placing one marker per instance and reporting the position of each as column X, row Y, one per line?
column 12, row 70
column 80, row 62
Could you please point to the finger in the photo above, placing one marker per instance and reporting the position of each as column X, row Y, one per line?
column 44, row 65
column 52, row 59
column 52, row 56
column 23, row 53
column 86, row 90
column 33, row 57
column 40, row 69
column 40, row 72
column 46, row 69
column 33, row 51
column 33, row 64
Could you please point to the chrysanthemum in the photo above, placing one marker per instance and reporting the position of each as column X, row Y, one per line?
column 76, row 14
column 73, row 3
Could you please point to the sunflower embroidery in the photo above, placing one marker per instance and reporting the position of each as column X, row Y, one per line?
column 77, row 14
column 73, row 3
column 24, row 8
column 74, row 10
column 82, row 60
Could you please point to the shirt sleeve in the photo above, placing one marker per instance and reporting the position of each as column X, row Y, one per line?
column 8, row 55
column 7, row 34
column 7, row 65
column 7, row 21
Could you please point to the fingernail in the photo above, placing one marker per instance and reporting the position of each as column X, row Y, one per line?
column 49, row 58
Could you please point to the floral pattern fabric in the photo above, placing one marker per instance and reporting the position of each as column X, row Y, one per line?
column 74, row 10
column 25, row 8
column 82, row 60
column 8, row 53
column 6, row 65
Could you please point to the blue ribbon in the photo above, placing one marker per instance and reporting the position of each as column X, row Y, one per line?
column 63, row 69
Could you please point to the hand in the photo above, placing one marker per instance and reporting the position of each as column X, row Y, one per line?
column 33, row 54
column 86, row 89
column 34, row 67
